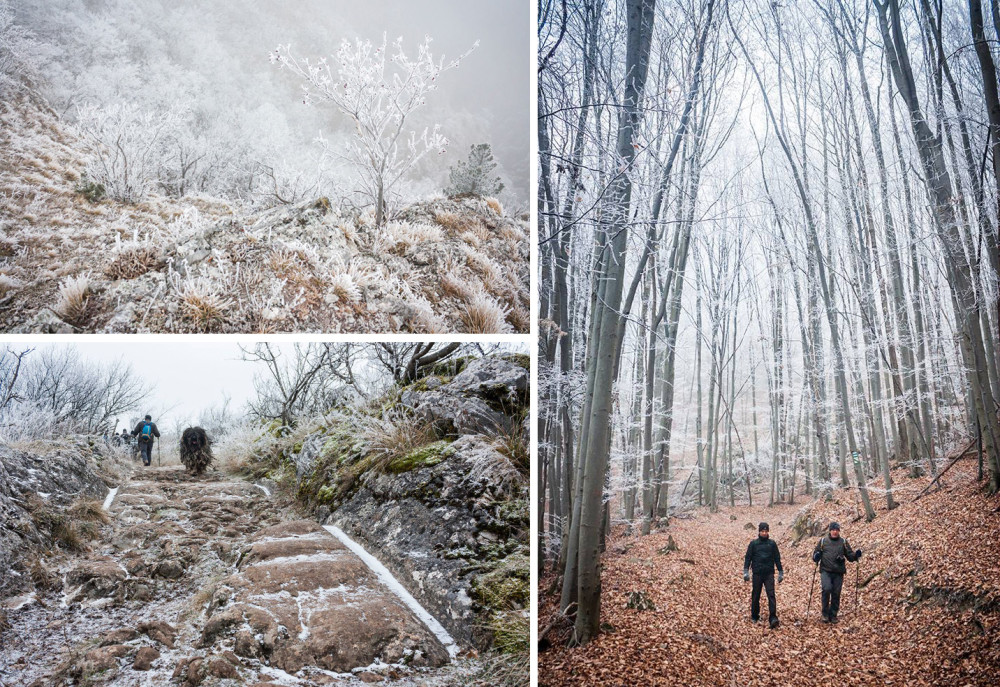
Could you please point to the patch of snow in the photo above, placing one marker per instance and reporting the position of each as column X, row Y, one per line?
column 16, row 603
column 110, row 498
column 392, row 583
column 301, row 558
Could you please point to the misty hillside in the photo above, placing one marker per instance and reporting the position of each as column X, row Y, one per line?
column 200, row 264
column 284, row 169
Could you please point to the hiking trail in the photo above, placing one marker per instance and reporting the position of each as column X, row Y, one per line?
column 205, row 580
column 927, row 610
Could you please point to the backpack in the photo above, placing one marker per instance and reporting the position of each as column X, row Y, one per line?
column 147, row 432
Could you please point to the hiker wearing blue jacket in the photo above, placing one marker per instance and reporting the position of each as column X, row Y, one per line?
column 146, row 431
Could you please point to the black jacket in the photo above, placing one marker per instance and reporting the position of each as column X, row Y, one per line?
column 138, row 429
column 762, row 556
column 833, row 553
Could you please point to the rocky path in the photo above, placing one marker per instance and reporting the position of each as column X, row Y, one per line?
column 205, row 581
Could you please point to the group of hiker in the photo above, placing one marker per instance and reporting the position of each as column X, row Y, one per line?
column 144, row 434
column 830, row 556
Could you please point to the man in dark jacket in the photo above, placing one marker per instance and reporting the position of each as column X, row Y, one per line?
column 146, row 431
column 830, row 553
column 763, row 557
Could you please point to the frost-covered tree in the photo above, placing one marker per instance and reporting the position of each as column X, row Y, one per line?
column 475, row 176
column 127, row 147
column 16, row 46
column 378, row 87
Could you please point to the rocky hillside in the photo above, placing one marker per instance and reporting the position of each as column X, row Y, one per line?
column 73, row 261
column 48, row 492
column 433, row 478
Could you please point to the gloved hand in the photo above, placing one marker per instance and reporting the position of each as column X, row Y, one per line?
column 816, row 556
column 781, row 576
column 746, row 575
column 857, row 554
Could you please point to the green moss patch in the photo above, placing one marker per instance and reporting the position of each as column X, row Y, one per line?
column 425, row 456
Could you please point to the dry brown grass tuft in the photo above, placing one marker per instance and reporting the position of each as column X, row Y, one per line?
column 74, row 299
column 484, row 315
column 202, row 306
column 89, row 510
column 451, row 221
column 454, row 286
column 132, row 263
column 494, row 205
column 483, row 266
column 519, row 319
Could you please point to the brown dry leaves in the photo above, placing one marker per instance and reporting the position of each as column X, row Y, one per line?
column 930, row 614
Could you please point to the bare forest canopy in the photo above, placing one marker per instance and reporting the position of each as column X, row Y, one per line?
column 204, row 67
column 769, row 259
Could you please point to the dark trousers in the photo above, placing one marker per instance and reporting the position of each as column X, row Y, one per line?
column 765, row 580
column 146, row 449
column 831, row 582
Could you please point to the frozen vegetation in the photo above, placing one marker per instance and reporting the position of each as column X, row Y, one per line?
column 182, row 208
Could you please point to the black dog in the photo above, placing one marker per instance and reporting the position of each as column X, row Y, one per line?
column 196, row 450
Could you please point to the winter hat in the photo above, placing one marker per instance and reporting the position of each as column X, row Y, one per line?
column 834, row 525
column 763, row 526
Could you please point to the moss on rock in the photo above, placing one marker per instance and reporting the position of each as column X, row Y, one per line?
column 425, row 456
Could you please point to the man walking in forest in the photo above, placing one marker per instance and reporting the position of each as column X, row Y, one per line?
column 831, row 553
column 146, row 431
column 763, row 557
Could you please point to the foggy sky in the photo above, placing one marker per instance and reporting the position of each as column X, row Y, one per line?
column 101, row 49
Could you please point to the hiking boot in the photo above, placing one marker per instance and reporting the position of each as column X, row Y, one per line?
column 825, row 619
column 754, row 620
column 774, row 623
column 833, row 619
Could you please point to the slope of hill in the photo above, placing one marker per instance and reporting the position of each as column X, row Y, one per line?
column 72, row 262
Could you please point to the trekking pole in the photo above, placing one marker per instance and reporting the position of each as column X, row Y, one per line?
column 857, row 578
column 812, row 585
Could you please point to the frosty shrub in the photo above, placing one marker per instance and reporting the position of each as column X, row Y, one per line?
column 476, row 176
column 235, row 449
column 74, row 297
column 126, row 145
column 344, row 287
column 16, row 50
column 27, row 421
column 378, row 91
column 484, row 315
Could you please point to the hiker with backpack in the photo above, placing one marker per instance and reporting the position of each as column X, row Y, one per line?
column 146, row 431
column 763, row 557
column 830, row 555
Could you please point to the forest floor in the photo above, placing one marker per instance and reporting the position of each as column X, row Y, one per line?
column 205, row 580
column 927, row 610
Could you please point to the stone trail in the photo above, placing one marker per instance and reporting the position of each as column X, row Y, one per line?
column 204, row 581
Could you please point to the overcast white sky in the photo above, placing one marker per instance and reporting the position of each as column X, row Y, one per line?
column 186, row 377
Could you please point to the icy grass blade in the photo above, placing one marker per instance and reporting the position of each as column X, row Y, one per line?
column 109, row 499
column 392, row 583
